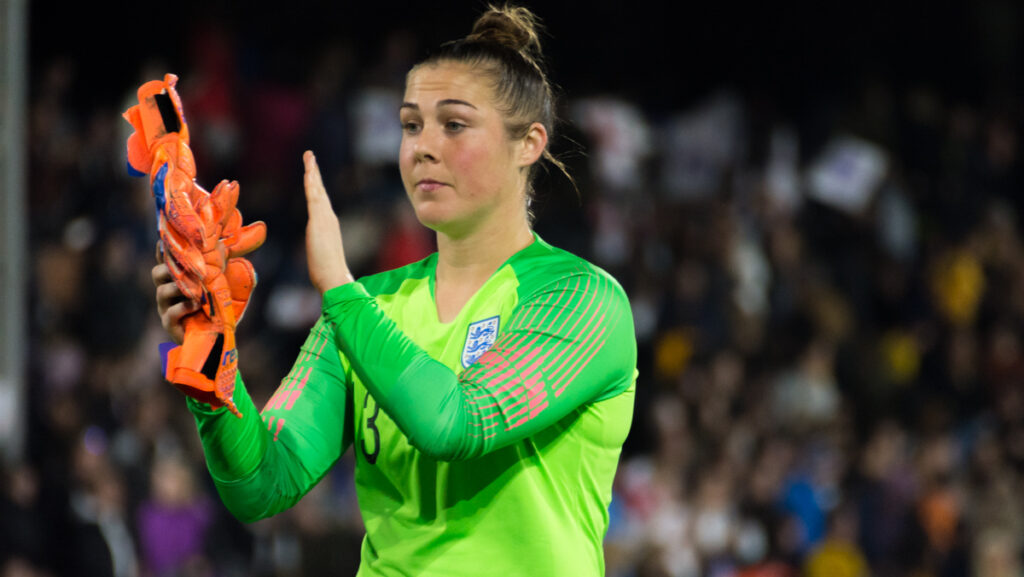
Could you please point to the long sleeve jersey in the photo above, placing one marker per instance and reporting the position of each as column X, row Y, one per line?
column 484, row 446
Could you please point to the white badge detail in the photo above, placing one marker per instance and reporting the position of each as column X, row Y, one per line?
column 479, row 337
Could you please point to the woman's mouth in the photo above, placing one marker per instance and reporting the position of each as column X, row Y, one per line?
column 429, row 185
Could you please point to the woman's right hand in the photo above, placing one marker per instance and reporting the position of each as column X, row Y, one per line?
column 170, row 303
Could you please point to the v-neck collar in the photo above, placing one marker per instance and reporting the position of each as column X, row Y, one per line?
column 537, row 241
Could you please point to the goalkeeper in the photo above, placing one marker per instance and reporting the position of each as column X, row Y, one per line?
column 487, row 389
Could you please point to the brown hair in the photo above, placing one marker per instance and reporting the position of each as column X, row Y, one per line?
column 505, row 45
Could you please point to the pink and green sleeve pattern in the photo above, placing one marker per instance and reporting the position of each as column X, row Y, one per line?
column 568, row 343
column 265, row 462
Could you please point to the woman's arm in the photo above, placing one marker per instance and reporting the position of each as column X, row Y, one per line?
column 568, row 344
column 265, row 462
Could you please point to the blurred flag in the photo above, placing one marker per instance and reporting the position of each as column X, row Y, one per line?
column 847, row 174
column 699, row 147
column 621, row 140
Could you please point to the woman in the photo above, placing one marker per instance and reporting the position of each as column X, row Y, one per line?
column 487, row 390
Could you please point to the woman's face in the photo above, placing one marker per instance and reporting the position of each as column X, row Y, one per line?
column 458, row 165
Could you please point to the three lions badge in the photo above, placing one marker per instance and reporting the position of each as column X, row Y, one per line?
column 479, row 337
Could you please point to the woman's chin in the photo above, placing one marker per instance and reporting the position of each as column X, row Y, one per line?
column 451, row 227
column 430, row 219
column 433, row 216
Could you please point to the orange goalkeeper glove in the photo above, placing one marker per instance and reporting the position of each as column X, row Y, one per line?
column 203, row 240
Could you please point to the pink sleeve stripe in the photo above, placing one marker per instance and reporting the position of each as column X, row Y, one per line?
column 528, row 390
column 321, row 338
column 273, row 400
column 506, row 376
column 326, row 340
column 578, row 350
column 291, row 398
column 280, row 425
column 525, row 408
column 568, row 352
column 285, row 392
column 532, row 386
column 557, row 290
column 497, row 409
column 481, row 384
column 596, row 345
column 530, row 323
column 532, row 390
column 592, row 316
column 568, row 292
column 489, row 394
column 489, row 361
column 512, row 371
column 291, row 373
column 484, row 437
column 576, row 306
column 295, row 393
column 536, row 411
column 522, row 404
column 588, row 346
column 561, row 288
column 308, row 345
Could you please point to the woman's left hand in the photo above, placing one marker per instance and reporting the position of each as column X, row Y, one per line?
column 325, row 254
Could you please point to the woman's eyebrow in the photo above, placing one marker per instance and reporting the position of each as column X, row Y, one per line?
column 453, row 101
column 445, row 102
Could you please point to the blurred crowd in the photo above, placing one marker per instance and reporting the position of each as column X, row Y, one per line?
column 829, row 309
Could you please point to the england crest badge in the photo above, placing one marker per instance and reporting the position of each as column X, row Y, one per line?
column 479, row 337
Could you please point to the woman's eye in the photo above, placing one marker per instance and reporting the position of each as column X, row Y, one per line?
column 452, row 126
column 411, row 127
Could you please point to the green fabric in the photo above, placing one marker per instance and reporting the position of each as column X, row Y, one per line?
column 262, row 467
column 465, row 465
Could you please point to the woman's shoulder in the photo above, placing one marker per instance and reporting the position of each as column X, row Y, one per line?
column 543, row 266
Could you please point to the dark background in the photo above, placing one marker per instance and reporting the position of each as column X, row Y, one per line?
column 664, row 54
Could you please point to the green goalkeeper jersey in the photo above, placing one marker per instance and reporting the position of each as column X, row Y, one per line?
column 483, row 446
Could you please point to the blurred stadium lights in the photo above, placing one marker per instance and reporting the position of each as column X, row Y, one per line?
column 13, row 233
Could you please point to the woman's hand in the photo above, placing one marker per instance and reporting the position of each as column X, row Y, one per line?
column 170, row 303
column 325, row 254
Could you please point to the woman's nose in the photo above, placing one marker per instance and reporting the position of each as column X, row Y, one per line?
column 426, row 145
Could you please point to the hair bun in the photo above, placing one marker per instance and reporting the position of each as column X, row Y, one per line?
column 513, row 27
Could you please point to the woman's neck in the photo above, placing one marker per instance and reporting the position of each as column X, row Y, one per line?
column 472, row 258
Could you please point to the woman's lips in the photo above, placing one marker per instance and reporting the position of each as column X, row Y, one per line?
column 429, row 185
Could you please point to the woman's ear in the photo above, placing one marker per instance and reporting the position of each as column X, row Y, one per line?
column 533, row 144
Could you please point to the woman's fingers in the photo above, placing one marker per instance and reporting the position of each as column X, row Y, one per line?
column 168, row 294
column 171, row 304
column 161, row 275
column 315, row 191
column 171, row 319
column 325, row 254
